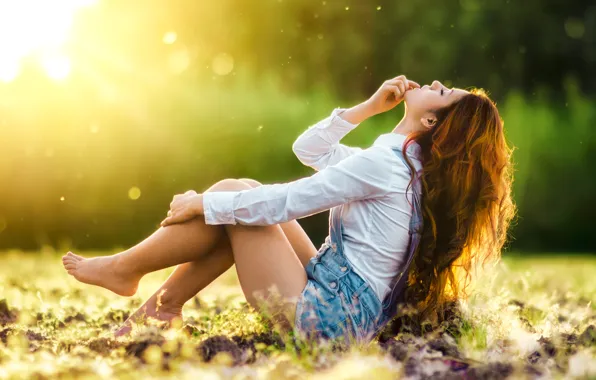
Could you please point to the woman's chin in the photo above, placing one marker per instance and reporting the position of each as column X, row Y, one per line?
column 409, row 96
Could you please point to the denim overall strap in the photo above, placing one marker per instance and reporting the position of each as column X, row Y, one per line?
column 396, row 295
column 335, row 237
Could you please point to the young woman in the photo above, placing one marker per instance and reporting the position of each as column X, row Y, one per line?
column 430, row 197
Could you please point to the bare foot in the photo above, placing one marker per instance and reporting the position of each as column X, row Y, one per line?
column 151, row 310
column 101, row 271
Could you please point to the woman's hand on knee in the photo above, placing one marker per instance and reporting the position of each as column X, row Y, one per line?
column 184, row 207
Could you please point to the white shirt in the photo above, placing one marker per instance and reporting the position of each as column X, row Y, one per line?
column 370, row 182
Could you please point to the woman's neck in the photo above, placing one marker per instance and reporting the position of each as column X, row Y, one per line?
column 405, row 126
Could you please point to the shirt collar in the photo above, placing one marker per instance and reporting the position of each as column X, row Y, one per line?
column 396, row 140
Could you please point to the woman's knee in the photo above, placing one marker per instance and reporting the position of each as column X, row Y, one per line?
column 229, row 184
column 251, row 182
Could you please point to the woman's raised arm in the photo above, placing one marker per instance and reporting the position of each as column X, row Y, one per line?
column 319, row 146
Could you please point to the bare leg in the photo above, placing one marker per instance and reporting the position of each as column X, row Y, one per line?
column 177, row 242
column 190, row 278
column 166, row 247
column 184, row 283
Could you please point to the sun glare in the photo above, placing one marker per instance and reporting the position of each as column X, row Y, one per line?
column 57, row 67
column 9, row 70
column 36, row 28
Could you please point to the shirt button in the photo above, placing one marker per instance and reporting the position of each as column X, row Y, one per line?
column 343, row 269
column 333, row 284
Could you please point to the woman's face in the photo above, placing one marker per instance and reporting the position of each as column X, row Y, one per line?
column 430, row 98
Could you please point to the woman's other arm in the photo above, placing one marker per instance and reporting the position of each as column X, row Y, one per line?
column 363, row 175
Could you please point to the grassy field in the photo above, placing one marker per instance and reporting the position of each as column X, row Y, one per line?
column 529, row 317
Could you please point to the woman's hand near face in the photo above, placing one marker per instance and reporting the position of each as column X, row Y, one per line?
column 390, row 94
column 184, row 207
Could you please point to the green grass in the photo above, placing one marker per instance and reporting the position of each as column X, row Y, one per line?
column 528, row 315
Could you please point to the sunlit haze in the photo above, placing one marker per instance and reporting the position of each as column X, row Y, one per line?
column 38, row 29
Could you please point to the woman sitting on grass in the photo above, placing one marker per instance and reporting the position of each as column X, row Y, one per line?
column 409, row 216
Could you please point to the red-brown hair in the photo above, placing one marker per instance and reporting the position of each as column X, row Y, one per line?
column 466, row 200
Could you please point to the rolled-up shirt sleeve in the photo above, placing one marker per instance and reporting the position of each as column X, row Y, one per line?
column 363, row 175
column 319, row 145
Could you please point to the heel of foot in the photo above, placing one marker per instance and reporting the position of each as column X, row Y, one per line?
column 127, row 291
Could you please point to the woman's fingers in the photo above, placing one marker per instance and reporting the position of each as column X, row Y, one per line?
column 172, row 219
column 395, row 90
column 399, row 77
column 382, row 101
column 401, row 83
column 402, row 86
column 179, row 216
column 413, row 84
column 408, row 84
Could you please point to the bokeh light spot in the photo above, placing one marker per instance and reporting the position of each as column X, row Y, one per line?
column 574, row 28
column 153, row 354
column 94, row 128
column 169, row 38
column 62, row 199
column 134, row 193
column 223, row 64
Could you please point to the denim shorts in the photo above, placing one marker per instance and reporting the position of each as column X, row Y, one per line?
column 336, row 303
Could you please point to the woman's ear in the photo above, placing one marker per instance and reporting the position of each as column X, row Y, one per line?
column 429, row 121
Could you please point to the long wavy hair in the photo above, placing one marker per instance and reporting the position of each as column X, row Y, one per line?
column 466, row 200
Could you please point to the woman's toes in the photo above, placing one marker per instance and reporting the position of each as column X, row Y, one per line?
column 68, row 260
column 70, row 264
column 76, row 257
